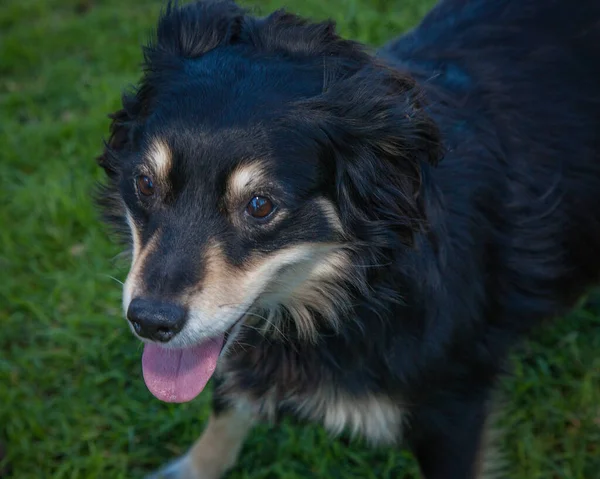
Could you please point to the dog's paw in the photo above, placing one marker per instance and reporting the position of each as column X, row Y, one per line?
column 181, row 468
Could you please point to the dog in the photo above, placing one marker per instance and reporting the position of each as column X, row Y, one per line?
column 356, row 237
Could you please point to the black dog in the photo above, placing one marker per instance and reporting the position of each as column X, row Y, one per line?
column 356, row 238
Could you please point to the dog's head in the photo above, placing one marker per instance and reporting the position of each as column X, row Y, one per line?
column 259, row 166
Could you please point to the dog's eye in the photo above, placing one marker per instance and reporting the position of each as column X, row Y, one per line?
column 260, row 207
column 145, row 185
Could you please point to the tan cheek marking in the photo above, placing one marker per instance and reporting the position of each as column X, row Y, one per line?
column 224, row 285
column 227, row 292
column 314, row 285
column 320, row 264
column 133, row 282
column 220, row 285
column 160, row 159
column 135, row 236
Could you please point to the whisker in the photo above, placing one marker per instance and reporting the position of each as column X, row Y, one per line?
column 113, row 278
column 269, row 322
column 373, row 265
column 247, row 313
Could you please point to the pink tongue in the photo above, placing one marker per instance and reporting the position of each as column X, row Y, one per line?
column 179, row 375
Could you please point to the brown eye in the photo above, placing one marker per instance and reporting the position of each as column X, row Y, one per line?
column 260, row 207
column 145, row 185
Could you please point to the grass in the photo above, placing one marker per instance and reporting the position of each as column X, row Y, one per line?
column 72, row 400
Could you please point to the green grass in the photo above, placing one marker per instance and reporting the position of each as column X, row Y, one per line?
column 72, row 400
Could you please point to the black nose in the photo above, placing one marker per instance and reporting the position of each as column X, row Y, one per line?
column 155, row 320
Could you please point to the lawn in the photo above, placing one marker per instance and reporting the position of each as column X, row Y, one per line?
column 72, row 400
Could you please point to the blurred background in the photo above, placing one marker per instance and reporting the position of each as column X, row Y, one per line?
column 72, row 400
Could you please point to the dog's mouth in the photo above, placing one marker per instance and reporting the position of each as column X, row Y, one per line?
column 179, row 375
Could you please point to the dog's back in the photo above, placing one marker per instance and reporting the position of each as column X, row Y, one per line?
column 516, row 91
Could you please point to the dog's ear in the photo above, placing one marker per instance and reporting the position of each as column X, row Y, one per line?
column 119, row 139
column 123, row 127
column 192, row 30
column 378, row 139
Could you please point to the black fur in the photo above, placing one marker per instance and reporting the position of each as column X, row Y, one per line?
column 463, row 159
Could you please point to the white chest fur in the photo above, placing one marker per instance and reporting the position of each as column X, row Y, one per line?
column 375, row 418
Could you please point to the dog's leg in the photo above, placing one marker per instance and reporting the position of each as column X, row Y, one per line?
column 454, row 441
column 217, row 450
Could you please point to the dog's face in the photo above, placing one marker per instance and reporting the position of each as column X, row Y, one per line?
column 228, row 215
column 259, row 167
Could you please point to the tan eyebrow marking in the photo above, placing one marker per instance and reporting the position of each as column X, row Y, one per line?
column 244, row 178
column 160, row 158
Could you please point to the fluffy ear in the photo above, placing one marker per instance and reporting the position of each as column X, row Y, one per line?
column 190, row 31
column 106, row 195
column 377, row 139
column 119, row 139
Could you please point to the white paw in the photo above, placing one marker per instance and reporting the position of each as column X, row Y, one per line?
column 179, row 469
